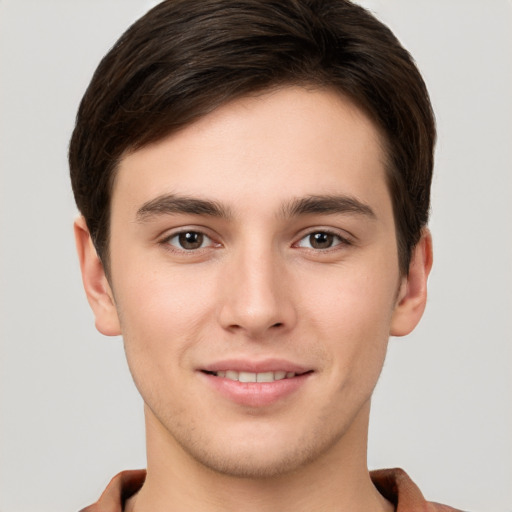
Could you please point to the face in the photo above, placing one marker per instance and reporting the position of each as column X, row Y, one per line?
column 254, row 276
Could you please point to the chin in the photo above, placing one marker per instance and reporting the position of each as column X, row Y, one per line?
column 255, row 463
column 267, row 455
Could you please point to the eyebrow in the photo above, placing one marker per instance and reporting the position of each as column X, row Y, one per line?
column 171, row 203
column 327, row 204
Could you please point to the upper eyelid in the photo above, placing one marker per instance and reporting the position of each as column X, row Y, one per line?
column 178, row 233
column 341, row 233
column 172, row 232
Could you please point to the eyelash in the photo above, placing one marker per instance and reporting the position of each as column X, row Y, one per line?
column 182, row 250
column 341, row 241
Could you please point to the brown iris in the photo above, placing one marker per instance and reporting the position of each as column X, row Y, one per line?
column 321, row 240
column 191, row 240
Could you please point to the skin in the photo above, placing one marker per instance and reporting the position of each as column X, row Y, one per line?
column 259, row 286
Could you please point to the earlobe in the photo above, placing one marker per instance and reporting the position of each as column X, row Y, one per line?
column 97, row 288
column 412, row 296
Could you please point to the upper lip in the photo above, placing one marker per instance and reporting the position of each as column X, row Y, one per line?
column 253, row 366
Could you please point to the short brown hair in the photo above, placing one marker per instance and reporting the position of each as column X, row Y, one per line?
column 185, row 58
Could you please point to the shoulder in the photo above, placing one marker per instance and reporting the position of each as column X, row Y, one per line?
column 120, row 488
column 397, row 487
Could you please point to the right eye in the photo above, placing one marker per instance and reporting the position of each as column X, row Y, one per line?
column 189, row 240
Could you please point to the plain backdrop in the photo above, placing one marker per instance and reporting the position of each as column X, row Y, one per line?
column 70, row 416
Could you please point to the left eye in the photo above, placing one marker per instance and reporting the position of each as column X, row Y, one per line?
column 190, row 240
column 320, row 240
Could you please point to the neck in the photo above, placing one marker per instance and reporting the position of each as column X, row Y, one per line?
column 337, row 480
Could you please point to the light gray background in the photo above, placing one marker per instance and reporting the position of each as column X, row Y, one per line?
column 70, row 416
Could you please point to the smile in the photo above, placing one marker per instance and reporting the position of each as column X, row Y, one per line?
column 255, row 384
column 252, row 376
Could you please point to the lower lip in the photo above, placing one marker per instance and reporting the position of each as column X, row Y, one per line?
column 256, row 394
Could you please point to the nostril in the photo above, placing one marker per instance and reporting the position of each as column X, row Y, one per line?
column 278, row 324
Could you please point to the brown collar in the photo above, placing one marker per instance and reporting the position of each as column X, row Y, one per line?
column 394, row 484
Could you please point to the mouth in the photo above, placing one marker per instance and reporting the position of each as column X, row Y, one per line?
column 243, row 376
column 256, row 384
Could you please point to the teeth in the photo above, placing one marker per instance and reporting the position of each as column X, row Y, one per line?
column 266, row 377
column 255, row 377
column 247, row 377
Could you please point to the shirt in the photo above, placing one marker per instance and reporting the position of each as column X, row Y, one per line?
column 394, row 484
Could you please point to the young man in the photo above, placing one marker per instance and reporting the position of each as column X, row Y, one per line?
column 253, row 179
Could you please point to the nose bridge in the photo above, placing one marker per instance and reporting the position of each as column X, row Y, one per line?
column 255, row 291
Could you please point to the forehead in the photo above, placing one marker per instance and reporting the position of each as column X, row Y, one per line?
column 284, row 143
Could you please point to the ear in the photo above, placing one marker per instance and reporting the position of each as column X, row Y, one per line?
column 412, row 296
column 96, row 285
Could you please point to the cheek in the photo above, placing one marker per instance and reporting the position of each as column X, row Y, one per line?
column 161, row 322
column 353, row 299
column 162, row 316
column 352, row 312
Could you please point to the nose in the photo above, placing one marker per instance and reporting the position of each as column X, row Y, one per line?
column 257, row 298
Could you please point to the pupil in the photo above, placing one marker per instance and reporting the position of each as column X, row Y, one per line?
column 321, row 240
column 191, row 240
